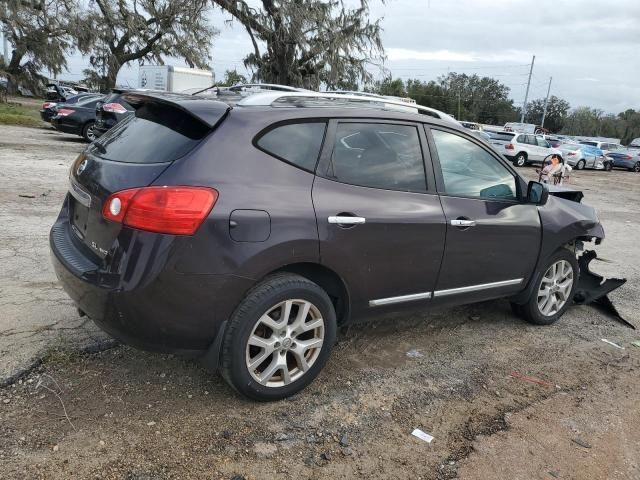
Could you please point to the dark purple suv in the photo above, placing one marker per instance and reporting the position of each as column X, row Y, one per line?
column 248, row 234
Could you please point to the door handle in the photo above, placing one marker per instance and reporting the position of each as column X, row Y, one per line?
column 346, row 220
column 464, row 223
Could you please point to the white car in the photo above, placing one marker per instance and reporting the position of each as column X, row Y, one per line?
column 524, row 148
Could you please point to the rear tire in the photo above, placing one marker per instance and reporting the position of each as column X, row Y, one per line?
column 580, row 165
column 608, row 167
column 267, row 351
column 555, row 285
column 88, row 132
column 520, row 159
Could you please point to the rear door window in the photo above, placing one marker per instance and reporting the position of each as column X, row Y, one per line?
column 157, row 133
column 378, row 155
column 295, row 143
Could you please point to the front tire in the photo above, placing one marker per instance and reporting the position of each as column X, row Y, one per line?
column 279, row 338
column 554, row 289
column 636, row 167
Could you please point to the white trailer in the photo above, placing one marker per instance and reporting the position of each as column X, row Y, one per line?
column 173, row 79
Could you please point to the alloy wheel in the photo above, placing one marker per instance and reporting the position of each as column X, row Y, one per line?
column 555, row 288
column 285, row 343
column 580, row 165
column 91, row 133
column 636, row 167
column 520, row 160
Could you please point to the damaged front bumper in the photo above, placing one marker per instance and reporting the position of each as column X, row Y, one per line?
column 593, row 288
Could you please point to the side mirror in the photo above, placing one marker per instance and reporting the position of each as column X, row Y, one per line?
column 537, row 193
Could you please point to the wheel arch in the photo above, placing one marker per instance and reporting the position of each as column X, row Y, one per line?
column 328, row 280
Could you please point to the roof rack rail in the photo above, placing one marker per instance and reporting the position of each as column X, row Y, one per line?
column 369, row 94
column 246, row 88
column 317, row 99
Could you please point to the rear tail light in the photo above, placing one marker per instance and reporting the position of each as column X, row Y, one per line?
column 63, row 112
column 46, row 105
column 171, row 210
column 628, row 157
column 509, row 146
column 572, row 154
column 114, row 108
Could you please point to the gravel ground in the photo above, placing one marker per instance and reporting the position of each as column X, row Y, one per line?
column 502, row 399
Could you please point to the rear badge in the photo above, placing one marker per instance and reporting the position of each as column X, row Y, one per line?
column 82, row 166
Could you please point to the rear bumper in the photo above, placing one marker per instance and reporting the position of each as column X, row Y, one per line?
column 145, row 303
column 46, row 115
column 65, row 127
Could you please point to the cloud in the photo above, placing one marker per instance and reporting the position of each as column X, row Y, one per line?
column 397, row 54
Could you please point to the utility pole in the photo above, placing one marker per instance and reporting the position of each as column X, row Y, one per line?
column 546, row 101
column 526, row 95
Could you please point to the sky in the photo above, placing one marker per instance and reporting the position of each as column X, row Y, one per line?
column 591, row 48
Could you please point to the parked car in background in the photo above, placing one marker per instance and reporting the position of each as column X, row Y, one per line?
column 78, row 118
column 606, row 147
column 171, row 237
column 111, row 110
column 49, row 108
column 629, row 160
column 582, row 155
column 524, row 149
column 635, row 144
column 554, row 141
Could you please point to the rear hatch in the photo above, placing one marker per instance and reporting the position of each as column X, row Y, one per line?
column 133, row 154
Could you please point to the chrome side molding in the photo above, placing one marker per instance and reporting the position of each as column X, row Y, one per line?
column 403, row 298
column 476, row 288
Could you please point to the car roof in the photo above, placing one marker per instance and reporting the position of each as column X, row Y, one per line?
column 208, row 110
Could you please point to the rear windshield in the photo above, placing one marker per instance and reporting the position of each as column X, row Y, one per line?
column 501, row 136
column 157, row 133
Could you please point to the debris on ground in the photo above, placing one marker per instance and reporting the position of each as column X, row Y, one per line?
column 422, row 435
column 611, row 343
column 582, row 443
column 636, row 344
column 25, row 195
column 414, row 354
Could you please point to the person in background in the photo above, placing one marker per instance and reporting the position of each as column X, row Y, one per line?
column 552, row 173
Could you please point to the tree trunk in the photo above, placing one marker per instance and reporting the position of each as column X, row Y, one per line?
column 112, row 73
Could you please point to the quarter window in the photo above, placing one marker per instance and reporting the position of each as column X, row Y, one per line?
column 297, row 143
column 470, row 171
column 378, row 155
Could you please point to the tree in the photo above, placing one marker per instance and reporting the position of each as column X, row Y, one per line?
column 480, row 99
column 146, row 31
column 231, row 78
column 593, row 122
column 466, row 97
column 557, row 110
column 389, row 86
column 41, row 34
column 309, row 42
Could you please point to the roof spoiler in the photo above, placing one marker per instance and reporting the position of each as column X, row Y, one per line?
column 209, row 112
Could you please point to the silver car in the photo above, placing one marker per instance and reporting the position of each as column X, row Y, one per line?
column 582, row 155
column 524, row 148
